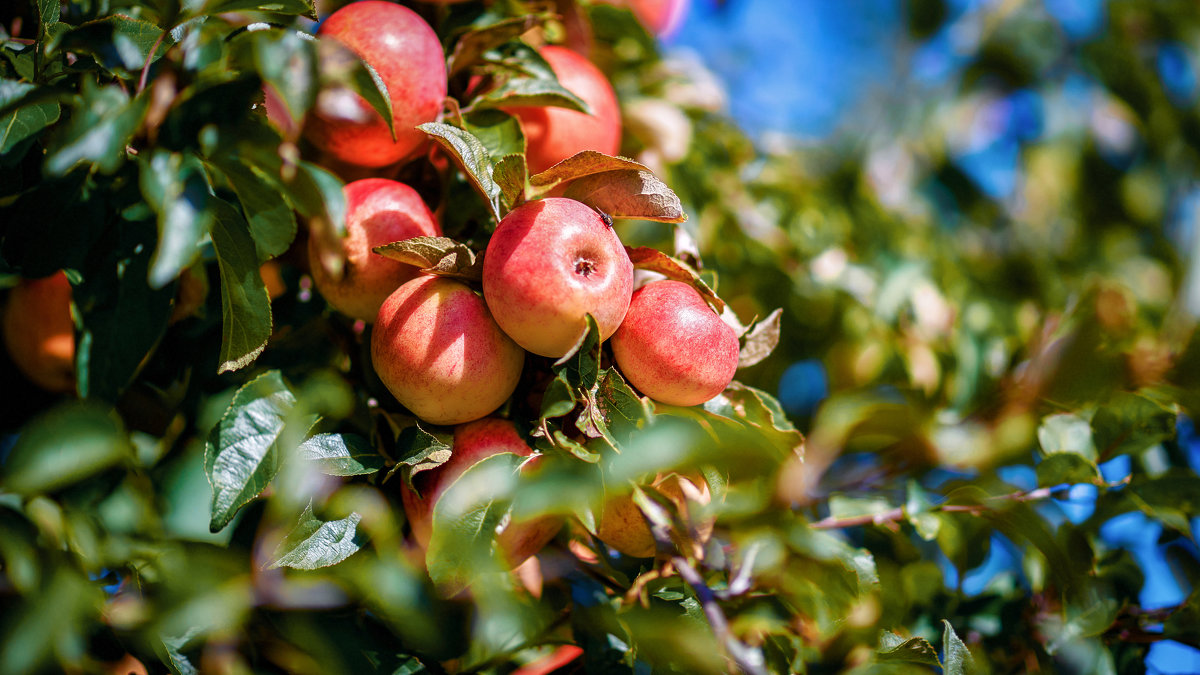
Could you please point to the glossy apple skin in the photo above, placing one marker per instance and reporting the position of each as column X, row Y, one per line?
column 436, row 347
column 378, row 211
column 474, row 442
column 554, row 134
column 408, row 56
column 622, row 526
column 39, row 332
column 673, row 347
column 549, row 264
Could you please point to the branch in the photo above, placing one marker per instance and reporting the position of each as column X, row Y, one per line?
column 898, row 514
column 748, row 659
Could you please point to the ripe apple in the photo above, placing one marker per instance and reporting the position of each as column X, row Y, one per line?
column 553, row 134
column 661, row 17
column 673, row 347
column 408, row 57
column 436, row 347
column 378, row 211
column 549, row 264
column 474, row 442
column 622, row 526
column 39, row 331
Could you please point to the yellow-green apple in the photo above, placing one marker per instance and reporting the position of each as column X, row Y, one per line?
column 673, row 347
column 436, row 347
column 549, row 264
column 553, row 134
column 378, row 211
column 39, row 331
column 408, row 57
column 622, row 526
column 474, row 442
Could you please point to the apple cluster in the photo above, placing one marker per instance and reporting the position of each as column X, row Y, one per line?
column 453, row 350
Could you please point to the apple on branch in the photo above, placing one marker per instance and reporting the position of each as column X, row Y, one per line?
column 437, row 349
column 474, row 442
column 408, row 57
column 673, row 347
column 549, row 264
column 39, row 331
column 553, row 134
column 378, row 211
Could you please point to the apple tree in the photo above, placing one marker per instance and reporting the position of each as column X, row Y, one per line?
column 476, row 337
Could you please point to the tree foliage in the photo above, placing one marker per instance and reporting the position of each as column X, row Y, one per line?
column 1008, row 375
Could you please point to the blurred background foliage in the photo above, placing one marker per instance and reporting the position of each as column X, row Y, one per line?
column 977, row 215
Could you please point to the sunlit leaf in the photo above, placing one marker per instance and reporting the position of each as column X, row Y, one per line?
column 628, row 194
column 654, row 260
column 435, row 255
column 760, row 340
column 916, row 650
column 315, row 543
column 243, row 454
column 341, row 454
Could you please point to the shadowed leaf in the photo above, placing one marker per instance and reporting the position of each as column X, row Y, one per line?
column 435, row 255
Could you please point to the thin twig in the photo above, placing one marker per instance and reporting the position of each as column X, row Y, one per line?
column 897, row 514
column 748, row 659
column 149, row 59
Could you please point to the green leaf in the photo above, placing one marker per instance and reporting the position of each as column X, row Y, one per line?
column 59, row 617
column 269, row 215
column 1061, row 468
column 436, row 255
column 19, row 551
column 531, row 91
column 342, row 454
column 475, row 42
column 1130, row 423
column 172, row 653
column 49, row 12
column 315, row 543
column 958, row 659
column 464, row 522
column 472, row 157
column 581, row 363
column 339, row 66
column 559, row 397
column 305, row 8
column 64, row 446
column 286, row 60
column 1066, row 432
column 176, row 187
column 418, row 450
column 497, row 131
column 21, row 117
column 916, row 650
column 628, row 194
column 242, row 454
column 100, row 127
column 1172, row 499
column 119, row 43
column 510, row 174
column 245, row 304
column 122, row 318
column 623, row 410
column 918, row 509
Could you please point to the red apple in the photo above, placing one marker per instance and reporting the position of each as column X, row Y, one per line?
column 378, row 211
column 549, row 264
column 673, row 347
column 554, row 134
column 474, row 442
column 436, row 347
column 39, row 331
column 408, row 56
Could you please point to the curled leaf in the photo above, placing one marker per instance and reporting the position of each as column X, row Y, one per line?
column 583, row 164
column 760, row 341
column 435, row 255
column 627, row 193
column 654, row 260
column 474, row 43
